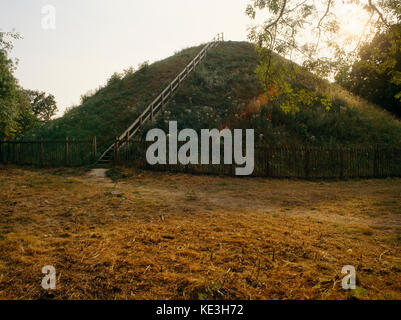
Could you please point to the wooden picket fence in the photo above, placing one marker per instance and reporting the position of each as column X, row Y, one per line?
column 277, row 162
column 285, row 162
column 49, row 152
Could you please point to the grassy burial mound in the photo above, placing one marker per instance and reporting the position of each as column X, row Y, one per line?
column 224, row 91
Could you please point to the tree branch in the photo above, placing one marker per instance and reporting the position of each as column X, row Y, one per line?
column 374, row 8
column 325, row 14
column 320, row 22
column 279, row 16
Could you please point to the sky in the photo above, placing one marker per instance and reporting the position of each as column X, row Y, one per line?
column 89, row 40
column 77, row 45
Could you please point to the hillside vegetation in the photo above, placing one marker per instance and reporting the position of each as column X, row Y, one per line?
column 225, row 92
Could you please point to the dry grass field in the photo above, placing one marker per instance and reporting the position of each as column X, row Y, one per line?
column 175, row 236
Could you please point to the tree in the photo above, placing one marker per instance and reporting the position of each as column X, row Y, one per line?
column 20, row 110
column 9, row 93
column 43, row 105
column 309, row 32
column 376, row 75
column 25, row 119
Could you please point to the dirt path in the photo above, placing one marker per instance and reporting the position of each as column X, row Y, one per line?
column 98, row 174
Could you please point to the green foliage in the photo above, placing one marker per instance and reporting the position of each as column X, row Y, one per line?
column 20, row 110
column 360, row 292
column 212, row 292
column 114, row 79
column 224, row 91
column 44, row 106
column 280, row 79
column 311, row 34
column 143, row 66
column 376, row 75
column 9, row 94
column 26, row 119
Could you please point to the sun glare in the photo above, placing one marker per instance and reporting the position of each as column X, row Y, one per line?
column 353, row 23
column 354, row 28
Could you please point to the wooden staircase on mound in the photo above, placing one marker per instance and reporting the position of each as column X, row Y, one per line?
column 160, row 102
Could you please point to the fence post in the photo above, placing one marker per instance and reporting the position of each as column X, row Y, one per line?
column 14, row 151
column 307, row 158
column 375, row 173
column 22, row 158
column 1, row 152
column 42, row 152
column 8, row 151
column 341, row 163
column 392, row 171
column 94, row 147
column 66, row 151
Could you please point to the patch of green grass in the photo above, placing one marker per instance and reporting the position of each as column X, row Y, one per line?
column 212, row 292
column 117, row 173
column 359, row 292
